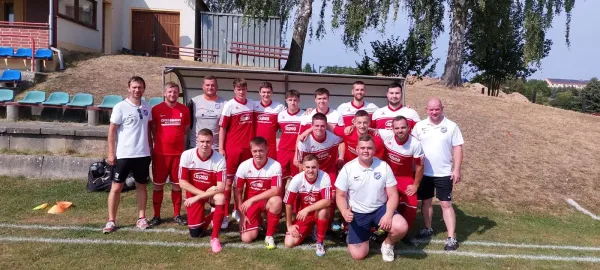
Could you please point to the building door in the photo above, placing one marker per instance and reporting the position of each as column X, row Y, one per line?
column 150, row 30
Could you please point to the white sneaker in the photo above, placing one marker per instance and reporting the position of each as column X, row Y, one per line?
column 269, row 242
column 109, row 227
column 225, row 223
column 387, row 252
column 236, row 215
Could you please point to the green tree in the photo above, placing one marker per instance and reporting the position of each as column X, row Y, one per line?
column 393, row 57
column 566, row 100
column 340, row 70
column 364, row 66
column 308, row 68
column 590, row 96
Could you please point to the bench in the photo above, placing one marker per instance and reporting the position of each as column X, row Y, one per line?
column 197, row 53
column 249, row 49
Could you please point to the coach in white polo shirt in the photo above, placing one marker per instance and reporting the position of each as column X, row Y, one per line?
column 367, row 196
column 441, row 141
column 130, row 132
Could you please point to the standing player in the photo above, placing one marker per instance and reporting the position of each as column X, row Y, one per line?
column 289, row 124
column 201, row 173
column 367, row 196
column 130, row 132
column 442, row 142
column 348, row 110
column 322, row 102
column 261, row 177
column 206, row 110
column 310, row 190
column 235, row 133
column 265, row 117
column 383, row 116
column 405, row 156
column 170, row 122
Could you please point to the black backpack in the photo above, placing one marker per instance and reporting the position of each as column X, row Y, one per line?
column 100, row 177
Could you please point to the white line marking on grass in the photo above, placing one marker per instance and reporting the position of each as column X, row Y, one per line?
column 302, row 247
column 172, row 230
column 581, row 209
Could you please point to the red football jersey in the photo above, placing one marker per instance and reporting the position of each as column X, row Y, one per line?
column 289, row 124
column 333, row 118
column 237, row 119
column 170, row 128
column 257, row 179
column 351, row 142
column 402, row 156
column 384, row 116
column 303, row 193
column 326, row 150
column 202, row 173
column 348, row 110
column 265, row 121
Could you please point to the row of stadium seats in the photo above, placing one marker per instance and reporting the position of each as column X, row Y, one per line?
column 26, row 53
column 60, row 99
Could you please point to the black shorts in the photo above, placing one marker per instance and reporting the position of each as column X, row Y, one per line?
column 139, row 167
column 441, row 185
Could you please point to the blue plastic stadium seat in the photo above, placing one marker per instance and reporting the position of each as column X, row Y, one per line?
column 57, row 99
column 10, row 76
column 6, row 95
column 108, row 102
column 33, row 97
column 24, row 53
column 44, row 54
column 81, row 100
column 6, row 51
column 155, row 101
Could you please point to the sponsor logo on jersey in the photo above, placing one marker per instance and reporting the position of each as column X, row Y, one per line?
column 323, row 155
column 388, row 123
column 309, row 199
column 395, row 159
column 245, row 117
column 264, row 118
column 257, row 184
column 201, row 176
column 291, row 128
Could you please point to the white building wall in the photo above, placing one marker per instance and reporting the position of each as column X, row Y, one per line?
column 73, row 36
column 187, row 17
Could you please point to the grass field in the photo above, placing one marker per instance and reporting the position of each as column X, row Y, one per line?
column 489, row 238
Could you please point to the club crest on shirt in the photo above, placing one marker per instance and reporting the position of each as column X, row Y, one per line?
column 443, row 129
column 217, row 106
column 377, row 175
column 145, row 112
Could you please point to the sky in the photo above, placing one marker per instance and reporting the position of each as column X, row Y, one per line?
column 580, row 61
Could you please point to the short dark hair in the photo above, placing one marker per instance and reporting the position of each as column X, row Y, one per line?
column 136, row 79
column 361, row 113
column 265, row 85
column 359, row 82
column 321, row 91
column 258, row 140
column 205, row 132
column 319, row 116
column 292, row 93
column 210, row 78
column 240, row 82
column 400, row 118
column 310, row 157
column 396, row 84
column 365, row 138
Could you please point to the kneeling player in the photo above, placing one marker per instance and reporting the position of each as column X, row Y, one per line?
column 262, row 177
column 202, row 174
column 311, row 191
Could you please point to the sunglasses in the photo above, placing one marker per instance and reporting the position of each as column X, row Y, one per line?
column 140, row 112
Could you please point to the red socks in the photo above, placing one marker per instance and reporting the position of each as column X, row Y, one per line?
column 217, row 219
column 176, row 199
column 227, row 194
column 272, row 222
column 157, row 198
column 322, row 226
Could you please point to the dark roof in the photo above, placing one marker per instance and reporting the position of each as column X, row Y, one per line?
column 568, row 81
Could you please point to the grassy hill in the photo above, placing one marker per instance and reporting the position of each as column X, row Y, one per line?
column 517, row 155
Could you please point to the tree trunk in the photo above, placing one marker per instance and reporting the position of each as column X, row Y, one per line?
column 294, row 62
column 456, row 46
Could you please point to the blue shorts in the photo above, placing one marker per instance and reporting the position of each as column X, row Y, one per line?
column 360, row 227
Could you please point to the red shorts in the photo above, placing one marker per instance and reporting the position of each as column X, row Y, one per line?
column 403, row 183
column 195, row 212
column 234, row 157
column 164, row 166
column 254, row 215
column 305, row 227
column 286, row 159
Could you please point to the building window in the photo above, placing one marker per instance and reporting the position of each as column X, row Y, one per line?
column 79, row 11
column 9, row 12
